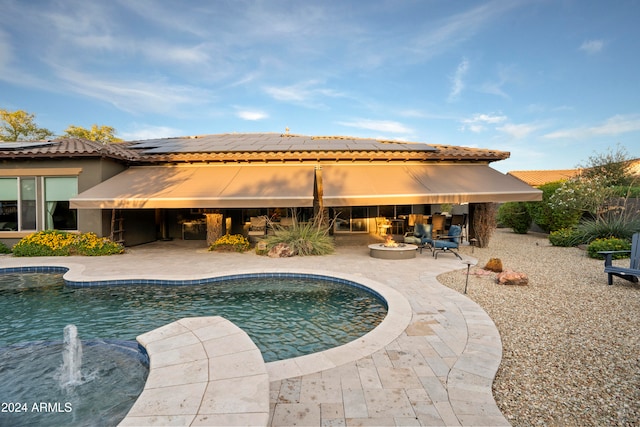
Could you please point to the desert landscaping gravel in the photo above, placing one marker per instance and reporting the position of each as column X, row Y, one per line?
column 571, row 343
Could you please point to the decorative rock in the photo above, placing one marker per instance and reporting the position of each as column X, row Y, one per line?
column 512, row 278
column 281, row 250
column 494, row 264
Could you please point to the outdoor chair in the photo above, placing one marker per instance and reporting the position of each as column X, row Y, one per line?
column 461, row 220
column 384, row 225
column 633, row 272
column 420, row 236
column 448, row 243
column 438, row 223
column 257, row 228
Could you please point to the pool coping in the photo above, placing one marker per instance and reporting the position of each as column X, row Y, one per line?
column 194, row 362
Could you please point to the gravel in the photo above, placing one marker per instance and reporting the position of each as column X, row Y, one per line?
column 571, row 343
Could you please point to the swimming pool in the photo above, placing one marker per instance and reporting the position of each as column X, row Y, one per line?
column 287, row 315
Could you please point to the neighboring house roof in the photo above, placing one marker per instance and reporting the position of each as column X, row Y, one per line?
column 250, row 147
column 540, row 177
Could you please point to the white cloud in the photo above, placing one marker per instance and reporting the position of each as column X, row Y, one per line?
column 457, row 81
column 518, row 131
column 378, row 125
column 477, row 123
column 615, row 125
column 592, row 46
column 303, row 93
column 251, row 115
column 141, row 132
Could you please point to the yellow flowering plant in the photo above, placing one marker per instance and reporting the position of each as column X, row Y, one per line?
column 231, row 243
column 62, row 243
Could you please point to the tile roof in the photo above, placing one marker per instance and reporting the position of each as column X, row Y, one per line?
column 540, row 177
column 250, row 147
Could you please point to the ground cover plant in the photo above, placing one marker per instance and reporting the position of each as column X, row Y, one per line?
column 4, row 249
column 62, row 243
column 230, row 243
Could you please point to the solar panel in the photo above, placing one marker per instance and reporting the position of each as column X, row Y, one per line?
column 18, row 145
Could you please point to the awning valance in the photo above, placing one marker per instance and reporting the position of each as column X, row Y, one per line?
column 190, row 186
column 367, row 185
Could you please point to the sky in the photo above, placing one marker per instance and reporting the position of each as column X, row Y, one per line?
column 553, row 82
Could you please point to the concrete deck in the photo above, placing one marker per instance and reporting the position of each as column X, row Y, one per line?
column 436, row 371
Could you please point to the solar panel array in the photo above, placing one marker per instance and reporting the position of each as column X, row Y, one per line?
column 19, row 145
column 269, row 142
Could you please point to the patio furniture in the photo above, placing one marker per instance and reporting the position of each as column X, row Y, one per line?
column 383, row 225
column 438, row 223
column 633, row 272
column 448, row 243
column 257, row 228
column 421, row 236
column 461, row 220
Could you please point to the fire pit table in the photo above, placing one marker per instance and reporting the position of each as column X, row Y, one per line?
column 401, row 251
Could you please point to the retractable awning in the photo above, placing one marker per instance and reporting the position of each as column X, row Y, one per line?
column 190, row 186
column 367, row 185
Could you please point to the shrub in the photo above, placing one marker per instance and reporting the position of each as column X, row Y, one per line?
column 231, row 243
column 89, row 244
column 619, row 226
column 310, row 238
column 611, row 244
column 4, row 249
column 565, row 237
column 515, row 216
column 62, row 243
column 550, row 216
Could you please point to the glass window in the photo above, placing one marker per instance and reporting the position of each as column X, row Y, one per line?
column 58, row 191
column 28, row 210
column 351, row 219
column 8, row 204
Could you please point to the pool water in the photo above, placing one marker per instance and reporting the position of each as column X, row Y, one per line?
column 285, row 316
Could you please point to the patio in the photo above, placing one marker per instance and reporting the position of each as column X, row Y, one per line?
column 439, row 371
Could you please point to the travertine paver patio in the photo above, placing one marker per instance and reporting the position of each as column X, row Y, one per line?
column 438, row 371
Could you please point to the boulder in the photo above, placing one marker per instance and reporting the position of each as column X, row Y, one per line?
column 494, row 264
column 281, row 250
column 512, row 278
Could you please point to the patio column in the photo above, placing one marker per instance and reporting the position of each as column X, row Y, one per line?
column 214, row 227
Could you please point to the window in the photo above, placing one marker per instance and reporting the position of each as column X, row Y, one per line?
column 57, row 192
column 8, row 204
column 25, row 201
column 351, row 219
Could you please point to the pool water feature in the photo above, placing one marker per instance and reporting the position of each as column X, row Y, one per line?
column 286, row 315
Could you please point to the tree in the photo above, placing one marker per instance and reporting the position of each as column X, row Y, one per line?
column 611, row 168
column 104, row 134
column 20, row 126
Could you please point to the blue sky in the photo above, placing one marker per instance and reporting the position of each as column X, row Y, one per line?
column 551, row 81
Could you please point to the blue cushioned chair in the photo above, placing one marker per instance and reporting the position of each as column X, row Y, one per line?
column 420, row 236
column 448, row 243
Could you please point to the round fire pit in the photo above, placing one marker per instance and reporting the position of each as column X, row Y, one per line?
column 402, row 251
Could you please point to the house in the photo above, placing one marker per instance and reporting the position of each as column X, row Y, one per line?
column 143, row 191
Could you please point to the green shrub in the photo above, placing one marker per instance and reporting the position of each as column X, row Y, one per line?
column 62, row 243
column 619, row 226
column 549, row 217
column 565, row 237
column 89, row 244
column 4, row 249
column 231, row 243
column 610, row 244
column 310, row 238
column 515, row 216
